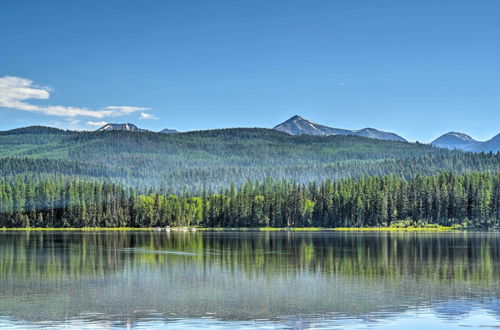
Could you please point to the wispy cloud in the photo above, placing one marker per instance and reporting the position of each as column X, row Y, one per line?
column 148, row 116
column 97, row 123
column 15, row 92
column 69, row 123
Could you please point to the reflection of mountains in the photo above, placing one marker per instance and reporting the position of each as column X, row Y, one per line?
column 245, row 275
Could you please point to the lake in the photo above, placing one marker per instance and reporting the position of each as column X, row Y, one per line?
column 250, row 280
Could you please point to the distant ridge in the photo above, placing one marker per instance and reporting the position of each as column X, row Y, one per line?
column 121, row 127
column 462, row 141
column 454, row 140
column 492, row 145
column 34, row 130
column 168, row 131
column 131, row 128
column 298, row 125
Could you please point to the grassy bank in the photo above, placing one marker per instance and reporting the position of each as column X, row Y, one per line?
column 80, row 229
column 353, row 229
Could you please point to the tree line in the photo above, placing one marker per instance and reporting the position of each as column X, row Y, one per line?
column 192, row 176
column 471, row 199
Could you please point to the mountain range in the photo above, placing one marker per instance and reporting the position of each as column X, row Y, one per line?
column 454, row 140
column 298, row 125
column 130, row 128
column 121, row 127
column 461, row 141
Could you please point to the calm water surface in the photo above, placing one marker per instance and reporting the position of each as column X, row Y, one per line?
column 249, row 280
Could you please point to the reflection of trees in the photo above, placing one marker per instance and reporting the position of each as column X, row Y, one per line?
column 436, row 257
column 443, row 257
column 56, row 275
column 55, row 255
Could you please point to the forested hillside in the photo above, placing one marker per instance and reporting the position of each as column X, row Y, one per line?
column 472, row 200
column 218, row 158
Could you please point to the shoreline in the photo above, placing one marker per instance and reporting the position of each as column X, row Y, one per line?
column 431, row 228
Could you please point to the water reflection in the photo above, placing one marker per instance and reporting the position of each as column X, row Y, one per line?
column 290, row 279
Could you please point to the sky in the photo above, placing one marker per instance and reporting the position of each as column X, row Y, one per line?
column 417, row 68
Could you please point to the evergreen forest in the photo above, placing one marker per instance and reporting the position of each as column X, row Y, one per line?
column 245, row 177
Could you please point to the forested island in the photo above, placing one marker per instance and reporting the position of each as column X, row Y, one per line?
column 470, row 200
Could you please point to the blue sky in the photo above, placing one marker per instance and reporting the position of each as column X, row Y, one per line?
column 417, row 68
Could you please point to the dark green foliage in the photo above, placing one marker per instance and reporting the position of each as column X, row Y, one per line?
column 217, row 158
column 14, row 166
column 471, row 199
